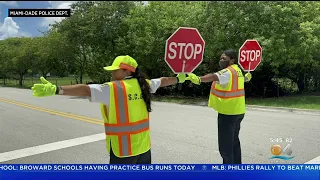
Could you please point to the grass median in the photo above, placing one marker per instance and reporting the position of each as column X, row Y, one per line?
column 28, row 81
column 297, row 101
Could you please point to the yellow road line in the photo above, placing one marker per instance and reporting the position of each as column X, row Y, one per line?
column 58, row 113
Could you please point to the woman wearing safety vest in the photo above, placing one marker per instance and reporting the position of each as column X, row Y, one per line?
column 227, row 97
column 125, row 106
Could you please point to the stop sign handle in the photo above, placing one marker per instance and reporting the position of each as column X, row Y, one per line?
column 249, row 67
column 183, row 66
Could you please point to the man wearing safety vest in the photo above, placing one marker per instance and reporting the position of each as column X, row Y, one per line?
column 227, row 97
column 125, row 106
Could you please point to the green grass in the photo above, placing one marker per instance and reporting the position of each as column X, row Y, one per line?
column 180, row 99
column 28, row 82
column 301, row 102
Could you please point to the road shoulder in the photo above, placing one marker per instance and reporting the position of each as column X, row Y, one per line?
column 267, row 108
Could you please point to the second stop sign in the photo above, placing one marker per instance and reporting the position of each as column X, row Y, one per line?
column 250, row 55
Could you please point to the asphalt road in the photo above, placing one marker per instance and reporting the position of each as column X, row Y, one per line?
column 63, row 129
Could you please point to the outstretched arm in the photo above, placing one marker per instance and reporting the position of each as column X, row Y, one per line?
column 206, row 78
column 222, row 77
column 209, row 78
column 48, row 89
column 167, row 81
column 75, row 90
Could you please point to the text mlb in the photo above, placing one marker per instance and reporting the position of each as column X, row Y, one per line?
column 264, row 167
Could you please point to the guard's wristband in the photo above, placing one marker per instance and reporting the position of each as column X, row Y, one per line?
column 57, row 89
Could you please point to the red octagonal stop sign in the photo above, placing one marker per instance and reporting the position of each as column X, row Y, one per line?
column 250, row 55
column 184, row 50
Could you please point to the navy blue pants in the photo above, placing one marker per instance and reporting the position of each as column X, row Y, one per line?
column 228, row 138
column 144, row 158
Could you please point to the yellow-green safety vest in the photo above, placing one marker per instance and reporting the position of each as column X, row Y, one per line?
column 229, row 100
column 127, row 122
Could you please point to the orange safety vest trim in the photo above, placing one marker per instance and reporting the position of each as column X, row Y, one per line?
column 123, row 129
column 234, row 92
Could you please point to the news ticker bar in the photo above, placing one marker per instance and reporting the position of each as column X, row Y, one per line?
column 39, row 12
column 157, row 167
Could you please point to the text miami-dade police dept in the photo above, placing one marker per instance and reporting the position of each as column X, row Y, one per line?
column 38, row 13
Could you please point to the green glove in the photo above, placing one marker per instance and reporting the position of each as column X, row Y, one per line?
column 248, row 77
column 194, row 78
column 44, row 89
column 181, row 78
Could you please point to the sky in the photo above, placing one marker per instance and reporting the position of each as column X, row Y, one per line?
column 27, row 26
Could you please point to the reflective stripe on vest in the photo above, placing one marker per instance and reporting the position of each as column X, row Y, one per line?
column 123, row 129
column 132, row 128
column 235, row 92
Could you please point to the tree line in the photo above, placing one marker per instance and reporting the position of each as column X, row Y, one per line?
column 97, row 32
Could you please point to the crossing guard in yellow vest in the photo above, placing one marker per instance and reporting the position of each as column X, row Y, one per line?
column 232, row 95
column 127, row 123
column 125, row 106
column 227, row 97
